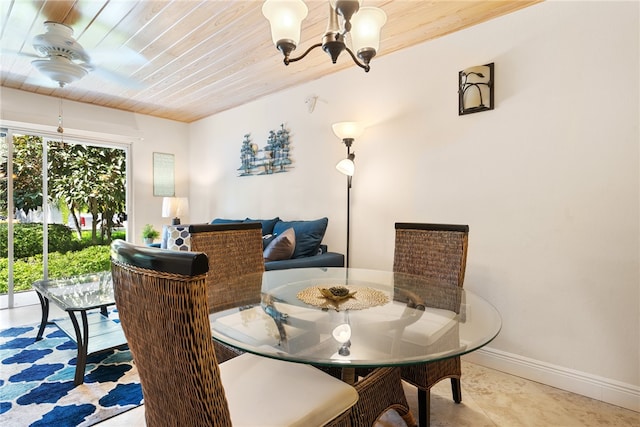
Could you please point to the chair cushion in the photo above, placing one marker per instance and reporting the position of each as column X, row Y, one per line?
column 282, row 247
column 309, row 235
column 267, row 392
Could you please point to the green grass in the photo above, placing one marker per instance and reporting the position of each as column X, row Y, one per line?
column 27, row 270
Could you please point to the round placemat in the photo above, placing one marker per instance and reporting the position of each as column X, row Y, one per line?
column 363, row 298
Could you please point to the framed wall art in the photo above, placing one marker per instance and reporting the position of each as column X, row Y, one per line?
column 163, row 175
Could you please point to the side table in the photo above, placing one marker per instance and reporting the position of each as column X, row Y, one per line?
column 95, row 332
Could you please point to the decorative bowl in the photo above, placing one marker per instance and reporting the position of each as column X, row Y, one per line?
column 337, row 293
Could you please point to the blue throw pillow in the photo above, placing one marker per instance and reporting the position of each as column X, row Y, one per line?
column 226, row 221
column 309, row 235
column 267, row 224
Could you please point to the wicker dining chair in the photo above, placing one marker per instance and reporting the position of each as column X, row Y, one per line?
column 236, row 265
column 161, row 298
column 235, row 259
column 437, row 252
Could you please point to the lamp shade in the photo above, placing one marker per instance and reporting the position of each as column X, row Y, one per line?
column 169, row 207
column 347, row 166
column 366, row 26
column 285, row 17
column 183, row 207
column 345, row 130
column 175, row 207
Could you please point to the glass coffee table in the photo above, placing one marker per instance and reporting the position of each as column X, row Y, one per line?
column 94, row 331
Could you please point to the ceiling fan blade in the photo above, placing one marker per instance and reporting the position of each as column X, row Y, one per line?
column 10, row 52
column 42, row 81
column 123, row 56
column 121, row 79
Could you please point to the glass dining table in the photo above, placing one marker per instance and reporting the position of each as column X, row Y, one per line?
column 352, row 318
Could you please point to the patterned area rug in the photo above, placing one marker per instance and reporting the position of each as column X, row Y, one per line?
column 36, row 381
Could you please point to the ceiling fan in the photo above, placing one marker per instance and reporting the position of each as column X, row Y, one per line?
column 63, row 60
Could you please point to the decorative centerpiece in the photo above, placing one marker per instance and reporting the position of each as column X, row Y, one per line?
column 341, row 298
column 337, row 293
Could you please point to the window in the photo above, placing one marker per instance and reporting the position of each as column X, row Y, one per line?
column 69, row 231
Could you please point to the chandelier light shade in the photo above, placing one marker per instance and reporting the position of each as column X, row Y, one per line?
column 365, row 35
column 285, row 17
column 362, row 24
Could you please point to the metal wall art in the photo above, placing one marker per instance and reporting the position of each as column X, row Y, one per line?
column 475, row 89
column 273, row 158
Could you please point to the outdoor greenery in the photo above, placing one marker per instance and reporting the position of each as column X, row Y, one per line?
column 28, row 239
column 88, row 179
column 81, row 179
column 87, row 258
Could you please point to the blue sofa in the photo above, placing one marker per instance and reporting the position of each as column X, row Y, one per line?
column 308, row 250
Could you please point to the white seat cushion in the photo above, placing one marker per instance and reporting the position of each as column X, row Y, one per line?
column 272, row 393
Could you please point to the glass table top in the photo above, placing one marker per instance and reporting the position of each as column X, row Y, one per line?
column 82, row 292
column 384, row 318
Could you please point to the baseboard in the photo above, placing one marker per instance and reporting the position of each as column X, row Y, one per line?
column 604, row 389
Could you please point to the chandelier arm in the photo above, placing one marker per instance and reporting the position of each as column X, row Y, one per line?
column 288, row 59
column 365, row 67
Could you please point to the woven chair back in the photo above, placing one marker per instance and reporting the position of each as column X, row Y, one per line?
column 434, row 251
column 164, row 316
column 236, row 261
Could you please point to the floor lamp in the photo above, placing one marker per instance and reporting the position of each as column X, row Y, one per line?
column 348, row 132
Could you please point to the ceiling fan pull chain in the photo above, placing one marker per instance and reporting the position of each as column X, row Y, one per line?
column 60, row 128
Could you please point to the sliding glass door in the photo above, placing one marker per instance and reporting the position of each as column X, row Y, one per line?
column 61, row 207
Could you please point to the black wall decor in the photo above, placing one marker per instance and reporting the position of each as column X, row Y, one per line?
column 475, row 89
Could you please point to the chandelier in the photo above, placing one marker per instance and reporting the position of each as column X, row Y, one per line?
column 361, row 24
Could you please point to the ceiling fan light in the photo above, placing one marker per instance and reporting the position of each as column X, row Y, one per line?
column 365, row 32
column 60, row 69
column 285, row 17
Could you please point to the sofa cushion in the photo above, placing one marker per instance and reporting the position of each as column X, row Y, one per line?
column 309, row 235
column 226, row 221
column 327, row 259
column 281, row 247
column 267, row 224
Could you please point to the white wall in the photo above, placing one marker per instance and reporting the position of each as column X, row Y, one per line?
column 143, row 134
column 548, row 181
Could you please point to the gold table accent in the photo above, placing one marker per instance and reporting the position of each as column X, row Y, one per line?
column 363, row 298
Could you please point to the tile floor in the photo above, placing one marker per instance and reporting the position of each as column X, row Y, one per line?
column 489, row 397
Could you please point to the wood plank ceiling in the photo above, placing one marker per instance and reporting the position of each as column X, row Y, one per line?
column 185, row 59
